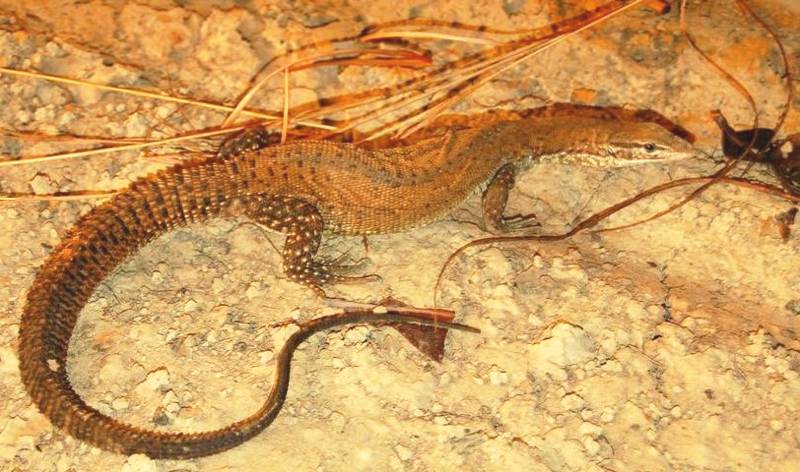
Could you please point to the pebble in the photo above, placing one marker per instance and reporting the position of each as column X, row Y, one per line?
column 157, row 380
column 572, row 401
column 41, row 183
column 190, row 306
column 119, row 404
column 139, row 463
column 265, row 356
column 776, row 425
column 403, row 453
column 498, row 377
column 592, row 446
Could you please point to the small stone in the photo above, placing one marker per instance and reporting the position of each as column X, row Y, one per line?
column 24, row 117
column 157, row 380
column 589, row 429
column 12, row 434
column 568, row 345
column 190, row 306
column 64, row 464
column 592, row 447
column 169, row 397
column 163, row 112
column 136, row 125
column 45, row 113
column 403, row 453
column 217, row 286
column 776, row 425
column 441, row 420
column 572, row 401
column 171, row 334
column 265, row 356
column 119, row 404
column 254, row 291
column 41, row 184
column 8, row 362
column 676, row 412
column 356, row 335
column 139, row 463
column 793, row 306
column 498, row 377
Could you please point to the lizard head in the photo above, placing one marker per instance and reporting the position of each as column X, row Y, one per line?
column 642, row 143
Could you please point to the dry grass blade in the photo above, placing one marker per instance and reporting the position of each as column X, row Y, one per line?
column 355, row 56
column 491, row 70
column 393, row 99
column 124, row 147
column 286, row 105
column 384, row 35
column 145, row 94
column 59, row 196
column 525, row 36
column 37, row 136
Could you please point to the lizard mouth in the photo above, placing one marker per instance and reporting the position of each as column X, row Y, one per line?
column 657, row 160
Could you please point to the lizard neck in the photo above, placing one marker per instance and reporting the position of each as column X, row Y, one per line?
column 564, row 139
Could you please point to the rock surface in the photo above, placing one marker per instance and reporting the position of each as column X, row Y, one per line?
column 671, row 346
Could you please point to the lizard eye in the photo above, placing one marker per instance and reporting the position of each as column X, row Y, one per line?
column 650, row 147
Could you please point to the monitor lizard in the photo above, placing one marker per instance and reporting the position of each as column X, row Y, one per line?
column 302, row 189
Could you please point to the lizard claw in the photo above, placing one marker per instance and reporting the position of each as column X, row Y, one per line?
column 355, row 279
column 518, row 223
column 336, row 265
column 341, row 273
column 317, row 274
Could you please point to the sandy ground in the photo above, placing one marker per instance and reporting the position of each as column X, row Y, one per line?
column 670, row 346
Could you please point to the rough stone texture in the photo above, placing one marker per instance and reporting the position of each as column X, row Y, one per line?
column 670, row 346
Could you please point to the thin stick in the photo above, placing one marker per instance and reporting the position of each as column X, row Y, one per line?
column 720, row 175
column 604, row 214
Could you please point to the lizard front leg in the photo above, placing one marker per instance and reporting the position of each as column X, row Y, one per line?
column 495, row 198
column 303, row 225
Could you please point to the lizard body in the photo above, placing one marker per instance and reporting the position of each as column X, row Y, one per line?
column 302, row 189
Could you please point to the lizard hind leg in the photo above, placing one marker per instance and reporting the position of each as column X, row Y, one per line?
column 303, row 225
column 247, row 140
column 495, row 198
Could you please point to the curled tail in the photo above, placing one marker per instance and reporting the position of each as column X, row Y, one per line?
column 98, row 243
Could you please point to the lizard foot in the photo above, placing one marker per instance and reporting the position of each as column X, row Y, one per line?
column 340, row 272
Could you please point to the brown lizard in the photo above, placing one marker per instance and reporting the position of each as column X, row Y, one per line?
column 302, row 189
